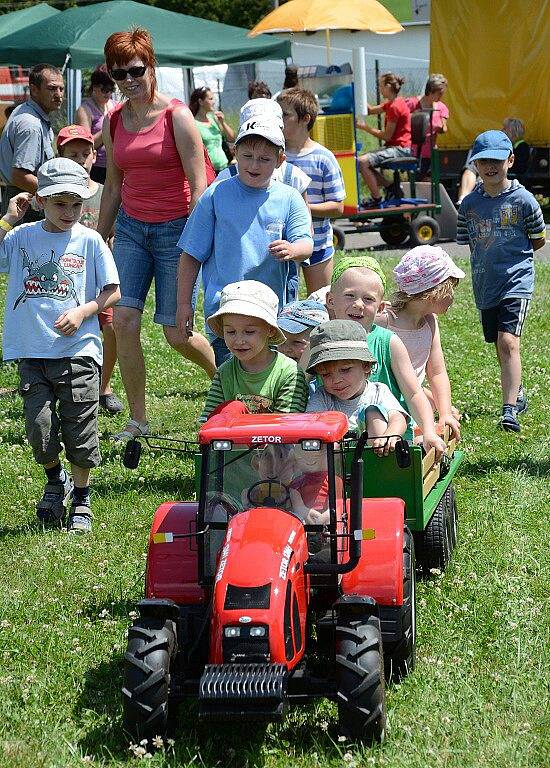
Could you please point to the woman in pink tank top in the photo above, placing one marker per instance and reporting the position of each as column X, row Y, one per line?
column 91, row 114
column 155, row 175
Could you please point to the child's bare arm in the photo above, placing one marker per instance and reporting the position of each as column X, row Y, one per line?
column 440, row 384
column 70, row 321
column 188, row 269
column 330, row 208
column 282, row 250
column 411, row 390
column 539, row 242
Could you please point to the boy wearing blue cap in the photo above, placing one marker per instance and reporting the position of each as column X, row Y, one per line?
column 297, row 319
column 502, row 223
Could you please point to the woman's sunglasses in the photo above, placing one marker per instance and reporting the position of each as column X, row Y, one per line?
column 121, row 74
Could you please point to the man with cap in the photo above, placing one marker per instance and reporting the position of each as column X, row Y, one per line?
column 340, row 356
column 60, row 276
column 245, row 228
column 503, row 224
column 27, row 137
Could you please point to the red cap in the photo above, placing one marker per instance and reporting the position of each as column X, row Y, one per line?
column 72, row 132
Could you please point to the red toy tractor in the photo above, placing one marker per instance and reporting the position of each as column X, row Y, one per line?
column 280, row 585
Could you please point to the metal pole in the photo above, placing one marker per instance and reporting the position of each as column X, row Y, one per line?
column 377, row 77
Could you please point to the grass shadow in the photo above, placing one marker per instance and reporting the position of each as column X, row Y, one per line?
column 167, row 486
column 527, row 464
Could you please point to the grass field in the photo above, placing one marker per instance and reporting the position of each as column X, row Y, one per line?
column 479, row 697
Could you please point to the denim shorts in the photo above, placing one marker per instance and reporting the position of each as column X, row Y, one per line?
column 144, row 251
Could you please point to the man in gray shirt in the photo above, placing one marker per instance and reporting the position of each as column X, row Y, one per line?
column 27, row 138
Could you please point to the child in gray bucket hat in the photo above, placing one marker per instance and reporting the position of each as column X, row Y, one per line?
column 340, row 356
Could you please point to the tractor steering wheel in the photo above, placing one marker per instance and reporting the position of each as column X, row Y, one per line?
column 271, row 493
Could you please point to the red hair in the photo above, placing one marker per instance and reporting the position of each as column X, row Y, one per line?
column 122, row 47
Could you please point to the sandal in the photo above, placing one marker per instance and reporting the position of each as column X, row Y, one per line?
column 132, row 430
column 110, row 403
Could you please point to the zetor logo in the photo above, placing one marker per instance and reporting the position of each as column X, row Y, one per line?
column 266, row 439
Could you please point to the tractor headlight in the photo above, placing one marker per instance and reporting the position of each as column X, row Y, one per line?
column 257, row 631
column 311, row 445
column 222, row 445
column 232, row 631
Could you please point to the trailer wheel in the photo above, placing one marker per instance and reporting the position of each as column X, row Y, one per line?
column 452, row 515
column 394, row 231
column 360, row 679
column 151, row 646
column 433, row 548
column 424, row 230
column 338, row 239
column 400, row 656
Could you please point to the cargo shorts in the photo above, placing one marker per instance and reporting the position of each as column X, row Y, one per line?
column 60, row 401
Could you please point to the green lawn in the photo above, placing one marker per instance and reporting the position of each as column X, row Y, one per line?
column 479, row 695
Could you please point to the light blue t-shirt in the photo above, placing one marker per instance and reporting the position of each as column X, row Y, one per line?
column 499, row 232
column 327, row 185
column 230, row 230
column 49, row 273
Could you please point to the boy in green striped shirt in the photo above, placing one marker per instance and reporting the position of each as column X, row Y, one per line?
column 264, row 380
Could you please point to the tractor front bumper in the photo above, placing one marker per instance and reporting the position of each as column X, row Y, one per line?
column 250, row 691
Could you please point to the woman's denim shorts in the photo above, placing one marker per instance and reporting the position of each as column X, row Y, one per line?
column 144, row 251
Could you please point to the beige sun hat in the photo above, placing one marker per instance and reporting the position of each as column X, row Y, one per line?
column 252, row 299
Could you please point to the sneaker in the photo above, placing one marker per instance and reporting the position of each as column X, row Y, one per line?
column 509, row 419
column 80, row 519
column 394, row 192
column 110, row 403
column 51, row 508
column 521, row 403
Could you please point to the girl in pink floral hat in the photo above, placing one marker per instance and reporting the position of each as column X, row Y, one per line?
column 426, row 278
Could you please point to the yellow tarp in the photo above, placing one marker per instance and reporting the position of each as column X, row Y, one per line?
column 495, row 55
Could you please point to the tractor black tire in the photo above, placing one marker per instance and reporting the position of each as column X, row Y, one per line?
column 394, row 231
column 151, row 647
column 400, row 656
column 433, row 548
column 424, row 230
column 360, row 679
column 452, row 515
column 338, row 239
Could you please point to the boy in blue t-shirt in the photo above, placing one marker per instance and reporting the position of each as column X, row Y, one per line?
column 326, row 191
column 61, row 274
column 244, row 228
column 502, row 223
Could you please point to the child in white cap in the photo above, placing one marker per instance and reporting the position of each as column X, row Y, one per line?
column 426, row 278
column 244, row 228
column 264, row 380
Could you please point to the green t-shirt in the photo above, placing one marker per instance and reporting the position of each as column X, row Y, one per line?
column 379, row 344
column 212, row 140
column 279, row 388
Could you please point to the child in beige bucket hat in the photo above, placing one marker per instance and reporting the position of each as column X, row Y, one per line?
column 265, row 380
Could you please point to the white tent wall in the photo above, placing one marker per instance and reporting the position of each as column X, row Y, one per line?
column 406, row 53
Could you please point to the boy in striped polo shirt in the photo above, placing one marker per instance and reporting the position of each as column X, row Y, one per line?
column 502, row 223
column 326, row 192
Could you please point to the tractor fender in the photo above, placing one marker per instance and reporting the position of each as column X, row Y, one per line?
column 379, row 573
column 264, row 549
column 172, row 563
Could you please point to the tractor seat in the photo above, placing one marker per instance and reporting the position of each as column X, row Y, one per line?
column 401, row 164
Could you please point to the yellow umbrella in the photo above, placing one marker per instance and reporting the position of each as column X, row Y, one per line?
column 316, row 15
